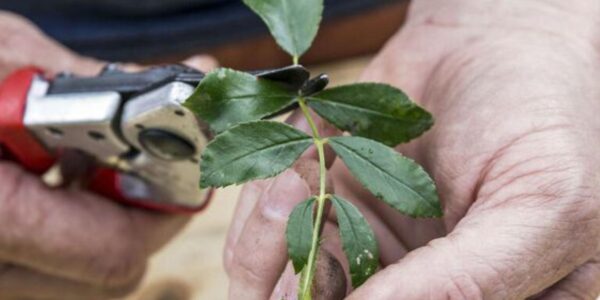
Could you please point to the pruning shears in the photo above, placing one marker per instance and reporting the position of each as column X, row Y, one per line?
column 146, row 145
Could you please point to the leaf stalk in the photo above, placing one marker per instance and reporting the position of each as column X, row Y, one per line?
column 309, row 269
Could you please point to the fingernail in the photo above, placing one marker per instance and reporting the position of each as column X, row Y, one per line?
column 284, row 193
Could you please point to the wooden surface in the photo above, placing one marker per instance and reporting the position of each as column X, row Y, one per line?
column 190, row 267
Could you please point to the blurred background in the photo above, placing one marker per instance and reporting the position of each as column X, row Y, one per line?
column 153, row 31
column 157, row 31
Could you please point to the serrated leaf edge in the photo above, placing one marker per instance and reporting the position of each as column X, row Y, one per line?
column 430, row 183
column 202, row 160
column 296, row 52
column 308, row 203
column 291, row 95
column 425, row 125
column 337, row 200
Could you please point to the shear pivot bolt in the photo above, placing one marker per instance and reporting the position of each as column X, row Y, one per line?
column 166, row 145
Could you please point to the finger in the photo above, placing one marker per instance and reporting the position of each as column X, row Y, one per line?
column 287, row 285
column 330, row 282
column 249, row 195
column 508, row 252
column 243, row 221
column 583, row 283
column 331, row 276
column 75, row 234
column 308, row 170
column 260, row 255
column 204, row 63
column 330, row 279
column 22, row 283
column 252, row 191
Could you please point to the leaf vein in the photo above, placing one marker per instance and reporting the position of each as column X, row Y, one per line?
column 365, row 110
column 255, row 151
column 381, row 170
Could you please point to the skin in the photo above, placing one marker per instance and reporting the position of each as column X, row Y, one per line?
column 514, row 163
column 68, row 243
column 513, row 86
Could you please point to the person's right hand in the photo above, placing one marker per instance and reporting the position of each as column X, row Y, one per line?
column 516, row 96
column 68, row 244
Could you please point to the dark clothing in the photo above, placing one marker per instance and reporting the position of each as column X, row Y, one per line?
column 123, row 30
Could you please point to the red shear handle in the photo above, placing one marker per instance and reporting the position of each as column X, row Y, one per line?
column 14, row 137
column 105, row 182
column 19, row 145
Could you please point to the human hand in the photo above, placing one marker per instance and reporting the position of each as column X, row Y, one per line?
column 514, row 94
column 68, row 243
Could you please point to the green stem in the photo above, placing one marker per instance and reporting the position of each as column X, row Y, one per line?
column 309, row 119
column 309, row 270
column 296, row 59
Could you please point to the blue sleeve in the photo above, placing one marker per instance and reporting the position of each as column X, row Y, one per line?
column 122, row 30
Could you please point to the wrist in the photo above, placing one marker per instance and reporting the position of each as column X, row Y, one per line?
column 575, row 18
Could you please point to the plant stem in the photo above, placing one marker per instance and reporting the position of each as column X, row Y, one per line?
column 296, row 59
column 309, row 270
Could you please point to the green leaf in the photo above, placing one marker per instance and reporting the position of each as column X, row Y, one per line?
column 255, row 150
column 376, row 111
column 358, row 241
column 226, row 97
column 299, row 233
column 293, row 23
column 391, row 177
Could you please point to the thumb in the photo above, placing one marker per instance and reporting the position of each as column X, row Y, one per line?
column 508, row 252
column 204, row 63
column 431, row 272
column 330, row 281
